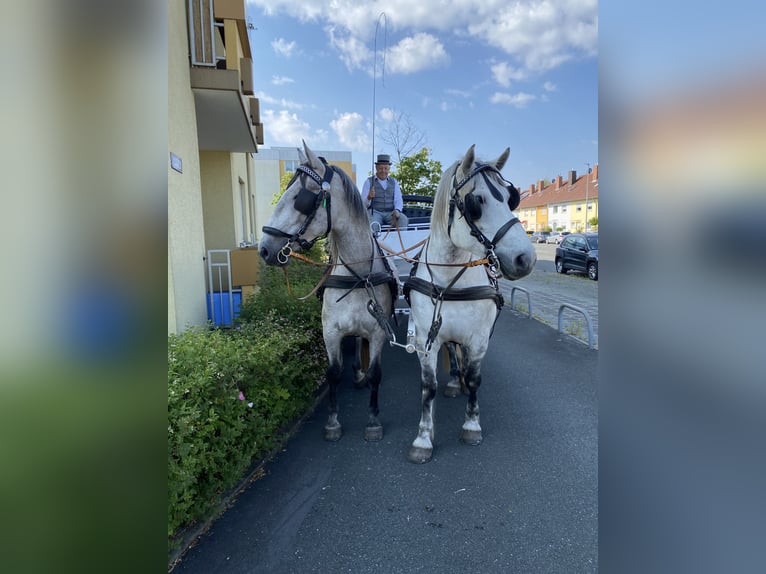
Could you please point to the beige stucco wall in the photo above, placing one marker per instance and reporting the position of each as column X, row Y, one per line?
column 266, row 185
column 217, row 203
column 186, row 243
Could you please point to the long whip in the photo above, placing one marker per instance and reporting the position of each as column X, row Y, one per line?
column 374, row 80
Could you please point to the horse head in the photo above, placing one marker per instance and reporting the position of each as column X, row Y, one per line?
column 478, row 205
column 302, row 215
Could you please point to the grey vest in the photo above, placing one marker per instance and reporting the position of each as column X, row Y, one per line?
column 384, row 198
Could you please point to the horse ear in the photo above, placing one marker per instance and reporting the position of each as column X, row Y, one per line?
column 302, row 156
column 468, row 159
column 500, row 162
column 313, row 160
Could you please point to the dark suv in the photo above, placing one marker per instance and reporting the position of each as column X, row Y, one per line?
column 578, row 252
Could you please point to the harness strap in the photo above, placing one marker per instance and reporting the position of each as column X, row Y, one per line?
column 439, row 295
column 350, row 283
column 435, row 292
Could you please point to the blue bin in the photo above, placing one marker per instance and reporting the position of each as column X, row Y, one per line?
column 220, row 313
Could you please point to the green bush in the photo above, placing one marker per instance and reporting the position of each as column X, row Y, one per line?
column 273, row 295
column 233, row 393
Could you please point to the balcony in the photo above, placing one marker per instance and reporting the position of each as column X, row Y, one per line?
column 221, row 75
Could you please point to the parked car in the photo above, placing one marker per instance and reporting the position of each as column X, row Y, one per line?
column 540, row 236
column 578, row 252
column 557, row 237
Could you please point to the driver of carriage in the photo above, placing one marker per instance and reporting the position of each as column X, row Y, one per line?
column 383, row 195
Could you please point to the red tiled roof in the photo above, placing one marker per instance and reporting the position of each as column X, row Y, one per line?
column 561, row 191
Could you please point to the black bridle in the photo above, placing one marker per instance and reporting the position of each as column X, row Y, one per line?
column 308, row 203
column 471, row 210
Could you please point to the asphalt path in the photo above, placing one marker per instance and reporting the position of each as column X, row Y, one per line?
column 548, row 290
column 525, row 500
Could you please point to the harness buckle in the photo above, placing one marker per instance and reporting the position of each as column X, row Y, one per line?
column 284, row 254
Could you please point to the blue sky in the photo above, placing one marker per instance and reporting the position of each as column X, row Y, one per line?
column 496, row 74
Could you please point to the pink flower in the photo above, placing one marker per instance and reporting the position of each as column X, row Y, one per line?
column 241, row 396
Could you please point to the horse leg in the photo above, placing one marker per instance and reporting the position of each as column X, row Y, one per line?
column 374, row 430
column 334, row 375
column 456, row 385
column 471, row 433
column 361, row 361
column 422, row 447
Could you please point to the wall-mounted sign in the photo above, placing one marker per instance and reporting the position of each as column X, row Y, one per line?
column 176, row 163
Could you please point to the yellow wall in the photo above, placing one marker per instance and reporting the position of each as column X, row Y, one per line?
column 216, row 199
column 186, row 243
column 267, row 175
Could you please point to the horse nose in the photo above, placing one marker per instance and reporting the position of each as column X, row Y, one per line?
column 525, row 261
column 264, row 253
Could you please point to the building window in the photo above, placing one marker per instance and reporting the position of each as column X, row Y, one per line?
column 579, row 208
column 555, row 209
column 291, row 165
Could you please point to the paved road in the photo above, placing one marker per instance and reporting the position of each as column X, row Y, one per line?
column 524, row 501
column 548, row 290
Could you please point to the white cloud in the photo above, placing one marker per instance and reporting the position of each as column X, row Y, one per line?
column 387, row 114
column 351, row 130
column 550, row 87
column 281, row 80
column 542, row 35
column 519, row 100
column 458, row 93
column 537, row 34
column 287, row 129
column 353, row 51
column 283, row 47
column 504, row 73
column 419, row 52
column 279, row 102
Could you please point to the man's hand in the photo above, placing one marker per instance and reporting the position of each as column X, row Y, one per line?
column 395, row 214
column 371, row 194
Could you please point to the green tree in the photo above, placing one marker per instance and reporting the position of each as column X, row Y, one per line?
column 284, row 181
column 417, row 174
column 593, row 222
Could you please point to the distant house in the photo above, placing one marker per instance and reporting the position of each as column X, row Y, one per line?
column 563, row 204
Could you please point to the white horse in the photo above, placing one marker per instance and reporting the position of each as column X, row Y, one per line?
column 358, row 295
column 452, row 289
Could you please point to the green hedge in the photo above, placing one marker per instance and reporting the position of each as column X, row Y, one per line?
column 233, row 393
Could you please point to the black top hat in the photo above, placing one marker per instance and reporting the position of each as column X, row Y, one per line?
column 383, row 158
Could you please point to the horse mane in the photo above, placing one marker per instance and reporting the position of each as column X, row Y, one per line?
column 357, row 208
column 351, row 193
column 440, row 213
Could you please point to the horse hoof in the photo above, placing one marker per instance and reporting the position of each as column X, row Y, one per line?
column 471, row 437
column 360, row 383
column 373, row 433
column 452, row 392
column 419, row 455
column 333, row 433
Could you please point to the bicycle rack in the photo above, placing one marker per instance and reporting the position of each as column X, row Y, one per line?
column 584, row 314
column 529, row 301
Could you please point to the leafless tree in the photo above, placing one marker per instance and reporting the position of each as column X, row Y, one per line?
column 402, row 136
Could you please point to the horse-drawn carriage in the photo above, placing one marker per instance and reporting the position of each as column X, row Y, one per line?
column 471, row 238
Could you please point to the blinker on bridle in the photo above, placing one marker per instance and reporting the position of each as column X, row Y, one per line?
column 468, row 211
column 308, row 203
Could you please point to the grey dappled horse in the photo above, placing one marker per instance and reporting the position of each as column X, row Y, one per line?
column 452, row 289
column 358, row 295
